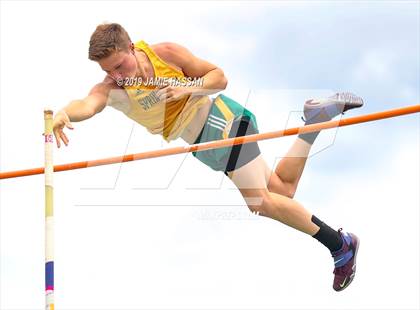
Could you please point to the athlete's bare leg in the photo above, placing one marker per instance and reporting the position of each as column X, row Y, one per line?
column 288, row 171
column 270, row 193
column 251, row 180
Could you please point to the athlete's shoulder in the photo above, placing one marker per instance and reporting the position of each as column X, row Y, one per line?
column 111, row 93
column 109, row 83
column 168, row 48
column 105, row 86
column 169, row 52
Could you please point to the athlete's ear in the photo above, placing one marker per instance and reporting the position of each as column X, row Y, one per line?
column 132, row 47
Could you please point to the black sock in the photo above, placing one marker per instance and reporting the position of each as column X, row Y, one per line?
column 309, row 137
column 327, row 236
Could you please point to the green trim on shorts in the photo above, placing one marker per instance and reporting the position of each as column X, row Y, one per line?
column 223, row 112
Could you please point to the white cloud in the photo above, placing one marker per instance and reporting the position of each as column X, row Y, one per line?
column 375, row 65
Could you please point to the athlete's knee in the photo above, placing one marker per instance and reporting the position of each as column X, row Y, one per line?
column 287, row 191
column 260, row 203
column 276, row 185
column 290, row 192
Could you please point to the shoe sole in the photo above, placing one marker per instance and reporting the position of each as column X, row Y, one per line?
column 350, row 106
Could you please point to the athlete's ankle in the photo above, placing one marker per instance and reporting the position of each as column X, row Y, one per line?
column 327, row 236
column 309, row 137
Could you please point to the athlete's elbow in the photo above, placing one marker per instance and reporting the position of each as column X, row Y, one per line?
column 223, row 82
column 88, row 111
column 98, row 109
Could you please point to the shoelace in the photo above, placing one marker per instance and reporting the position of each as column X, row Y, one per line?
column 341, row 271
column 349, row 98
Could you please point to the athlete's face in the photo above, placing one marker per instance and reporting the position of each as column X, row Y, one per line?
column 120, row 64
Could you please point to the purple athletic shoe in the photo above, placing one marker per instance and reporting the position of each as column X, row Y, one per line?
column 322, row 110
column 345, row 261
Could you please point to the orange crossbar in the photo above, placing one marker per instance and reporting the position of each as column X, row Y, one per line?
column 219, row 143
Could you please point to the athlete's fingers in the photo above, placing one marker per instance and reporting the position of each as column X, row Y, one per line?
column 164, row 96
column 162, row 90
column 163, row 85
column 57, row 138
column 69, row 125
column 170, row 99
column 64, row 138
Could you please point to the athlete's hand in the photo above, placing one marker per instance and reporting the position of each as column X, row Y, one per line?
column 60, row 121
column 172, row 93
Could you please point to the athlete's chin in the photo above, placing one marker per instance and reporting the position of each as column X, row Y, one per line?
column 131, row 75
column 127, row 77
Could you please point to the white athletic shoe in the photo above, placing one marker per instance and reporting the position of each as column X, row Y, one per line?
column 322, row 110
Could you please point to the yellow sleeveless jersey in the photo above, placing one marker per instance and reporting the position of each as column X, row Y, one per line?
column 159, row 117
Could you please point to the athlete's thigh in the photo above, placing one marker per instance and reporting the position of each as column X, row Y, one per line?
column 253, row 175
column 251, row 180
column 256, row 179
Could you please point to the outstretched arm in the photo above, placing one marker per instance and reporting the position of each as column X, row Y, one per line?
column 79, row 110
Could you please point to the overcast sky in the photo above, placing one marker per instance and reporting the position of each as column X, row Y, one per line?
column 170, row 232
